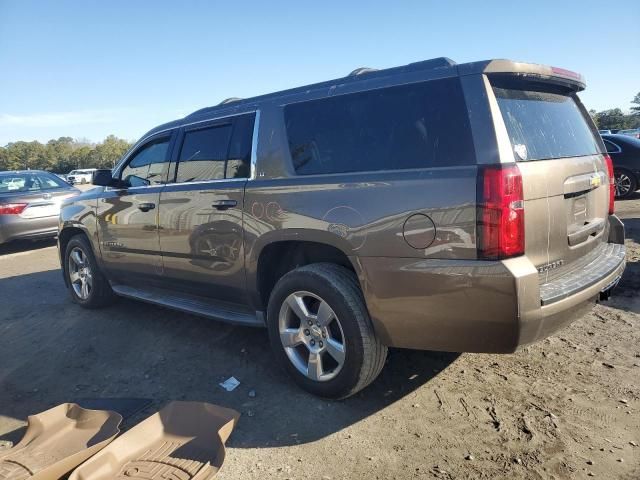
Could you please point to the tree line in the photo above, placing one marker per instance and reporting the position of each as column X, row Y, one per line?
column 616, row 119
column 62, row 155
column 66, row 154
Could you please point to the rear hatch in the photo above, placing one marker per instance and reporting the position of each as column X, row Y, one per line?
column 564, row 172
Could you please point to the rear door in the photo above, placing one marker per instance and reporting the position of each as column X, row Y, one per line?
column 564, row 172
column 200, row 222
column 127, row 216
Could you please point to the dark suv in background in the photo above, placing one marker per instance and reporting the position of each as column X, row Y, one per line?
column 431, row 206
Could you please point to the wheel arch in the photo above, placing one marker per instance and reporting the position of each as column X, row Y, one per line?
column 64, row 236
column 280, row 256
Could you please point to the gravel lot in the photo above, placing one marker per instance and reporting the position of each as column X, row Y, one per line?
column 567, row 407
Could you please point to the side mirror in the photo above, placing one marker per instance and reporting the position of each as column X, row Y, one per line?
column 102, row 177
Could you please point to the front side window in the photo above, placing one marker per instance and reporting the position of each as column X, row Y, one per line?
column 49, row 182
column 418, row 125
column 149, row 166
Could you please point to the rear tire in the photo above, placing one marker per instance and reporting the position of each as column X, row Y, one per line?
column 625, row 183
column 87, row 285
column 321, row 333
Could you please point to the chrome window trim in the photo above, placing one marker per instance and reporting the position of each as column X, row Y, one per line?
column 614, row 144
column 200, row 182
column 177, row 127
column 254, row 147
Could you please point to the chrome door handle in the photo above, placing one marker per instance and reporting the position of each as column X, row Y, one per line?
column 145, row 207
column 224, row 204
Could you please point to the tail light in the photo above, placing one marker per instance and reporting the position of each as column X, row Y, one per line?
column 500, row 219
column 12, row 208
column 612, row 184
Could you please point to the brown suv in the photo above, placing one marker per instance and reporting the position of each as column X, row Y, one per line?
column 431, row 206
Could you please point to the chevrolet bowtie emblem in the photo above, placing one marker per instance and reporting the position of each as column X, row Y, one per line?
column 596, row 181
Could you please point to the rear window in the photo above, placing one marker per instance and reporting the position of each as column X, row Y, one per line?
column 410, row 126
column 544, row 125
column 29, row 182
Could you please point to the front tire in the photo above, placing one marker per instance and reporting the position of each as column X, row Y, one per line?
column 87, row 285
column 321, row 333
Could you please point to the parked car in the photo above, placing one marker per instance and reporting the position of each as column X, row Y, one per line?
column 604, row 131
column 633, row 132
column 625, row 153
column 432, row 206
column 81, row 176
column 30, row 204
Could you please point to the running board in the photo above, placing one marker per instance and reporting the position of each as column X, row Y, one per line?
column 196, row 305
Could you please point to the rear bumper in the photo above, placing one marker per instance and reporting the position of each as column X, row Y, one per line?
column 479, row 306
column 13, row 227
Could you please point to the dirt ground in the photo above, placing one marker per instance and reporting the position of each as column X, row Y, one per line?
column 568, row 407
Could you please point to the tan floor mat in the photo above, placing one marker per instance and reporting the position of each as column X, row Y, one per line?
column 183, row 441
column 57, row 441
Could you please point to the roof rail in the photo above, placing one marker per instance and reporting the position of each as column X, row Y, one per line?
column 229, row 100
column 361, row 71
column 438, row 62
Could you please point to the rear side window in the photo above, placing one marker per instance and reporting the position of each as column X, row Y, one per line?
column 239, row 161
column 410, row 126
column 217, row 152
column 611, row 147
column 203, row 154
column 544, row 125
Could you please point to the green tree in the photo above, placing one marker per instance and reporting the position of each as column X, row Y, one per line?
column 63, row 154
column 611, row 119
column 635, row 110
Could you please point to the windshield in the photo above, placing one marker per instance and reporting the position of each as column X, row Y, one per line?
column 544, row 125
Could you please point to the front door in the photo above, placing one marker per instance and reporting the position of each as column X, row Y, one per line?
column 127, row 216
column 200, row 220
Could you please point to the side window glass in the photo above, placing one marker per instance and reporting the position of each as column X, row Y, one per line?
column 203, row 154
column 48, row 183
column 420, row 125
column 239, row 161
column 611, row 148
column 149, row 166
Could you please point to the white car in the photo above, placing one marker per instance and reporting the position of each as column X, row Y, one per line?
column 81, row 176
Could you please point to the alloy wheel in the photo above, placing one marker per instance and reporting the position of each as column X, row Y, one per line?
column 622, row 184
column 80, row 275
column 312, row 336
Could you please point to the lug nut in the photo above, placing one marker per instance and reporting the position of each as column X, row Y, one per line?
column 306, row 332
column 310, row 323
column 324, row 334
column 313, row 342
column 318, row 323
column 321, row 344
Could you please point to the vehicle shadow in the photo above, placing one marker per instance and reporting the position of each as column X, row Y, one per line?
column 18, row 246
column 57, row 352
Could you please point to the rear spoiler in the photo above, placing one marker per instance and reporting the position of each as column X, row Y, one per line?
column 566, row 78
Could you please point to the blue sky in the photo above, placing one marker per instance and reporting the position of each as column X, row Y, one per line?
column 93, row 68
